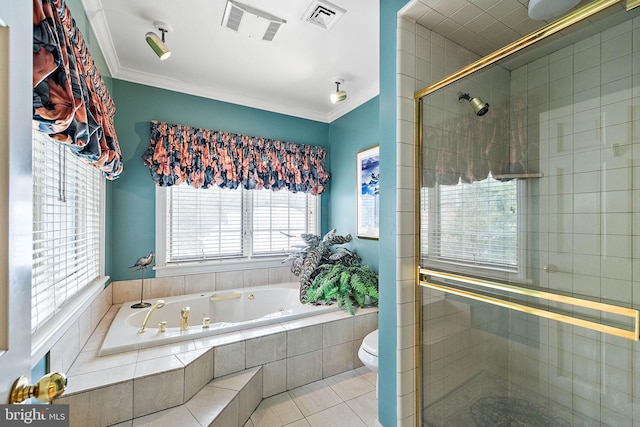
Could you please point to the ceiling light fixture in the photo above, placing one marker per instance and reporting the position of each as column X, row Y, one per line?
column 338, row 95
column 157, row 43
column 547, row 9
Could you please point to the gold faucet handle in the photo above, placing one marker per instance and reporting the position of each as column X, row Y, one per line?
column 48, row 388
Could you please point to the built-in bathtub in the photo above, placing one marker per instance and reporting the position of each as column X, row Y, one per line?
column 226, row 311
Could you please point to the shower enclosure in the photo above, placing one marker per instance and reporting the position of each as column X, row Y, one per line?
column 530, row 230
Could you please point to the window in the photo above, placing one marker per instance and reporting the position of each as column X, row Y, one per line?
column 68, row 200
column 471, row 226
column 214, row 224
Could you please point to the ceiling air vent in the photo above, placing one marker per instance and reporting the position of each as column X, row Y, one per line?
column 323, row 13
column 252, row 22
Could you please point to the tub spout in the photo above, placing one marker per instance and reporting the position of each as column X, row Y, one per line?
column 157, row 304
column 184, row 318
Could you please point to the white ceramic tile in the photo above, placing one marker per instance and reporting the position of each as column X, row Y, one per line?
column 366, row 408
column 158, row 392
column 336, row 416
column 337, row 359
column 157, row 366
column 304, row 369
column 349, row 385
column 364, row 324
column 616, row 69
column 165, row 350
column 276, row 411
column 279, row 275
column 197, row 283
column 256, row 277
column 229, row 280
column 274, row 378
column 304, row 340
column 314, row 397
column 266, row 349
column 587, row 79
column 165, row 286
column 237, row 380
column 95, row 407
column 228, row 359
column 209, row 403
column 337, row 332
column 250, row 396
column 98, row 379
column 89, row 362
column 198, row 370
column 179, row 415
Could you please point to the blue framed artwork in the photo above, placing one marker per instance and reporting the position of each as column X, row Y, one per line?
column 368, row 188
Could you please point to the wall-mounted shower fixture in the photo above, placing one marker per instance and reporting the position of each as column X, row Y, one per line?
column 479, row 107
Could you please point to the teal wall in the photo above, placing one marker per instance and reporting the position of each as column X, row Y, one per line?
column 349, row 134
column 132, row 209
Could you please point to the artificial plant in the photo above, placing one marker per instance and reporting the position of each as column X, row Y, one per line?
column 349, row 285
column 315, row 263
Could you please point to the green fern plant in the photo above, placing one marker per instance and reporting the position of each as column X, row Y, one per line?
column 348, row 285
column 316, row 252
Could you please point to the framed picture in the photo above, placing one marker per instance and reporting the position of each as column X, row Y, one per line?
column 368, row 189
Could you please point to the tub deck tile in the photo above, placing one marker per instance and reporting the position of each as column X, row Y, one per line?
column 90, row 373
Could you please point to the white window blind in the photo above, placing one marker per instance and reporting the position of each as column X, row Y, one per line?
column 67, row 218
column 471, row 224
column 203, row 224
column 215, row 223
column 279, row 217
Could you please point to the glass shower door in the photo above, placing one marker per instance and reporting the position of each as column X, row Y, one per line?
column 530, row 236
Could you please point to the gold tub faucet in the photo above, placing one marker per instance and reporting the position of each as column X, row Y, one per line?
column 157, row 304
column 184, row 318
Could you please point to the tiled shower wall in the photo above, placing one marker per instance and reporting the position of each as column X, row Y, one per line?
column 583, row 108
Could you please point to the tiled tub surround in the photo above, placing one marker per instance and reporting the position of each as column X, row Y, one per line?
column 112, row 389
column 226, row 311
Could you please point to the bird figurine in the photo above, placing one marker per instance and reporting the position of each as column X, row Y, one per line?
column 143, row 262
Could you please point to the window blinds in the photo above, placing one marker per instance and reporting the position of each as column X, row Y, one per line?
column 67, row 211
column 214, row 223
column 279, row 217
column 472, row 224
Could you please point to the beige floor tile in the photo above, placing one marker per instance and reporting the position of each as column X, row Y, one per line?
column 336, row 416
column 368, row 374
column 349, row 385
column 276, row 411
column 178, row 416
column 300, row 423
column 314, row 397
column 366, row 407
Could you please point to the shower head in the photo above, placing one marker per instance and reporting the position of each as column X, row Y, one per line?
column 478, row 106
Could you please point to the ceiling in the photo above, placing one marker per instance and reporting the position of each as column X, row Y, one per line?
column 295, row 73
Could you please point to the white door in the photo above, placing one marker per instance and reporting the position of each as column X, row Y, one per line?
column 16, row 42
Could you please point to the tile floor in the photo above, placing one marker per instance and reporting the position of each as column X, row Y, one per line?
column 344, row 400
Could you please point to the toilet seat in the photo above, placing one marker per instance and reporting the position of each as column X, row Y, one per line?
column 370, row 343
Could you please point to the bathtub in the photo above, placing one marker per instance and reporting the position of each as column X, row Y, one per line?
column 228, row 311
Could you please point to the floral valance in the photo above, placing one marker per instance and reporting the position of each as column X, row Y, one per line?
column 468, row 148
column 70, row 100
column 203, row 158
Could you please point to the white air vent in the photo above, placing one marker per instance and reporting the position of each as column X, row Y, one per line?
column 252, row 22
column 323, row 13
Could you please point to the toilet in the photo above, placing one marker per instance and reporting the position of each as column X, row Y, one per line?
column 368, row 353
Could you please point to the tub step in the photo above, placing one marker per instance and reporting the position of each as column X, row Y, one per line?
column 225, row 401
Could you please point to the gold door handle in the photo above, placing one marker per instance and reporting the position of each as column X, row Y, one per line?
column 48, row 388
